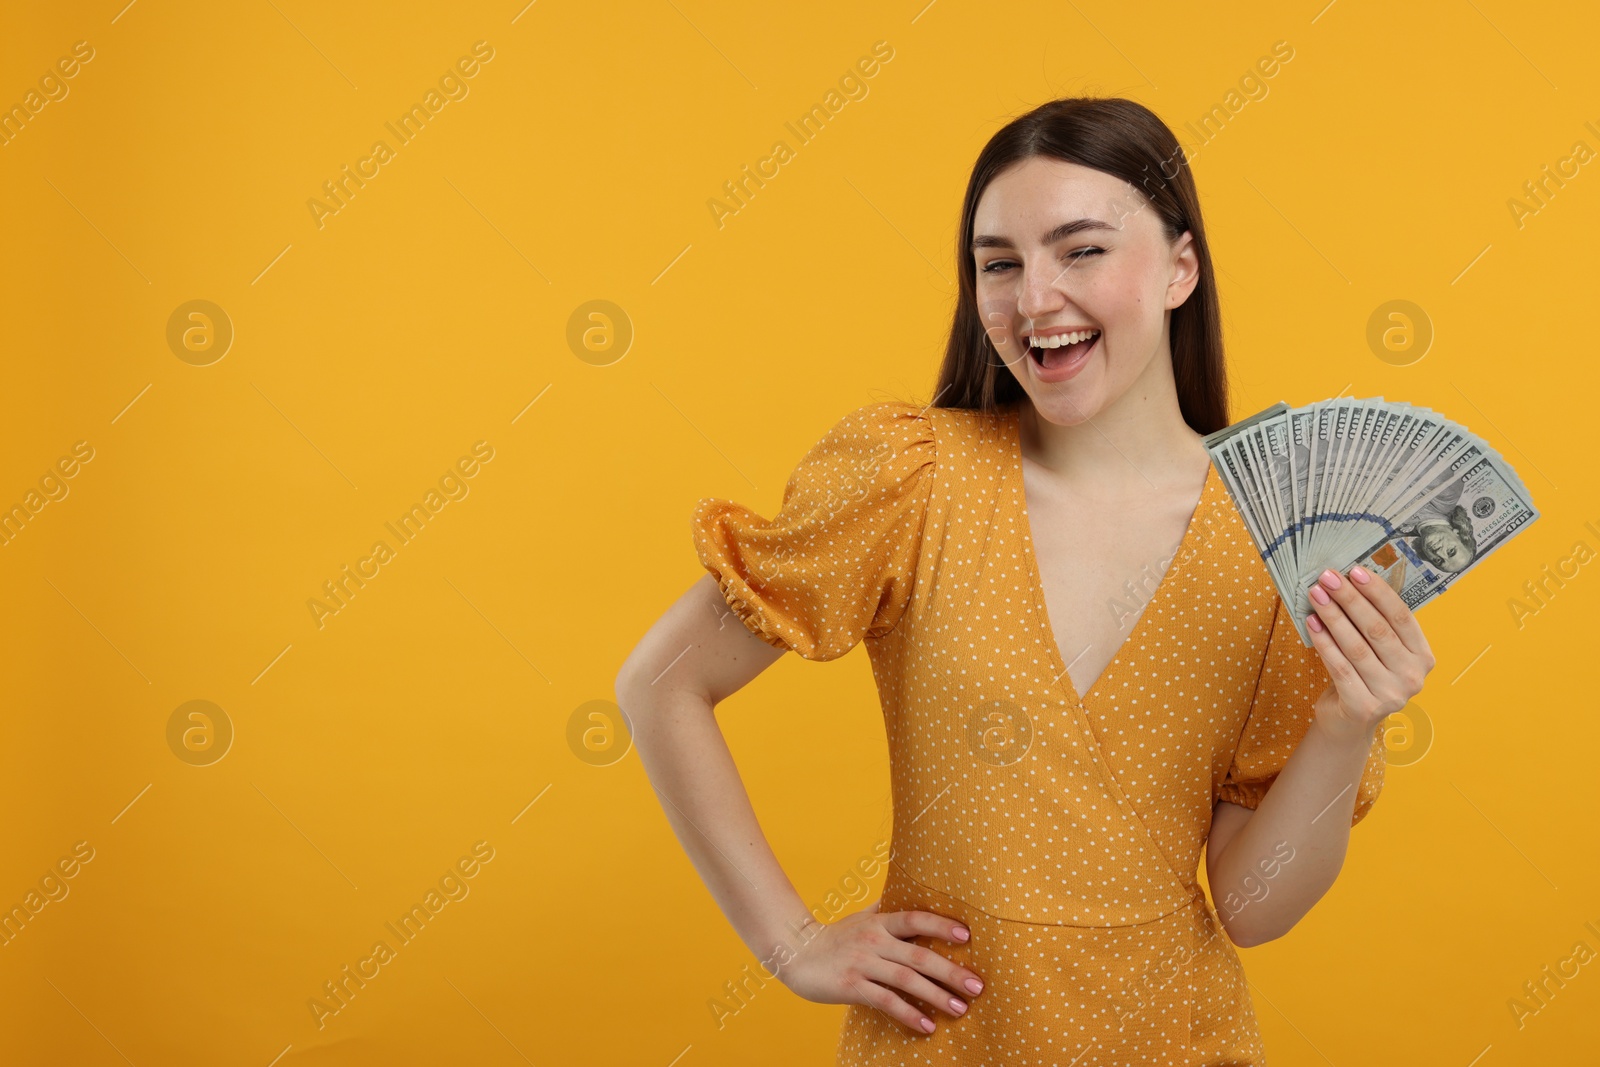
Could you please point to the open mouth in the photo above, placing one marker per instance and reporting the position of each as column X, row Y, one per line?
column 1053, row 353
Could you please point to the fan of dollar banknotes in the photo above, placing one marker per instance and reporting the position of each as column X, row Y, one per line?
column 1415, row 498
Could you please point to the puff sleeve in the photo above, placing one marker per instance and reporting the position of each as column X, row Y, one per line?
column 837, row 561
column 1282, row 711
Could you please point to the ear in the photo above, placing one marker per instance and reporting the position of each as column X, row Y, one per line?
column 1185, row 266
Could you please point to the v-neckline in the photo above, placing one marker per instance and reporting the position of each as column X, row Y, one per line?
column 1035, row 578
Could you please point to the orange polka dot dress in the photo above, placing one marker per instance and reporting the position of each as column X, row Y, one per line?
column 1065, row 831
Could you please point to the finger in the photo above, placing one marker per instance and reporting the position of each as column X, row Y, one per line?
column 895, row 1007
column 908, row 924
column 962, row 980
column 1400, row 617
column 1357, row 653
column 1369, row 621
column 1346, row 679
column 901, row 977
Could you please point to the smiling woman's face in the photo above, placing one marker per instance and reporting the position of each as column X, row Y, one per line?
column 1064, row 251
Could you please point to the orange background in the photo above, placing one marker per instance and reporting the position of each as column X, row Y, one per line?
column 444, row 305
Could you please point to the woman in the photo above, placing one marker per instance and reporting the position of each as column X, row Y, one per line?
column 1055, row 775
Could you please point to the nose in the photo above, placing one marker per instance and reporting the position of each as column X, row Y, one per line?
column 1042, row 288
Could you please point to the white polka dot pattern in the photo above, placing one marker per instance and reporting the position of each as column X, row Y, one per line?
column 836, row 563
column 1071, row 851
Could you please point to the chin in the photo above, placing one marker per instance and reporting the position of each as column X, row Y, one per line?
column 1068, row 407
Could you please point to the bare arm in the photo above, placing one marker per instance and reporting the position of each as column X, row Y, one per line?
column 1268, row 868
column 695, row 656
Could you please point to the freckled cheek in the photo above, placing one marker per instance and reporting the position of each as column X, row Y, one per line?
column 1126, row 300
column 1114, row 306
column 997, row 312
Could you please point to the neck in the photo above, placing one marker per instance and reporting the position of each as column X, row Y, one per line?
column 1137, row 442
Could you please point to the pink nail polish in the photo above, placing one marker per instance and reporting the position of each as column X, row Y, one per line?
column 1314, row 622
column 927, row 1024
column 1318, row 595
column 1331, row 579
column 1360, row 574
column 974, row 985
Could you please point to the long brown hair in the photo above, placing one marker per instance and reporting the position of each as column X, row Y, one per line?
column 1126, row 140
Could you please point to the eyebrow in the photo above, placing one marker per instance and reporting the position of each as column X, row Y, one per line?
column 1066, row 229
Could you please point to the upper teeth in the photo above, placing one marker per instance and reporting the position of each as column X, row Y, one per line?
column 1060, row 339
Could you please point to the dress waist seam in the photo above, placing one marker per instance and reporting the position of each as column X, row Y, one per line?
column 1196, row 897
